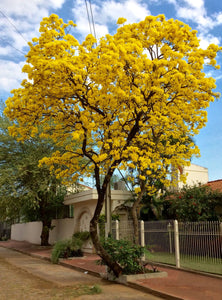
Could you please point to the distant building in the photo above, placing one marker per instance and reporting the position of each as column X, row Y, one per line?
column 77, row 188
column 194, row 175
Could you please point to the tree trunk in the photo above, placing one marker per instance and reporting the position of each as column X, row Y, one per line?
column 46, row 226
column 135, row 213
column 135, row 224
column 114, row 266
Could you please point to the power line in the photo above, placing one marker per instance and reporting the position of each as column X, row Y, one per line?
column 7, row 18
column 93, row 23
column 87, row 10
column 125, row 181
column 90, row 18
column 23, row 53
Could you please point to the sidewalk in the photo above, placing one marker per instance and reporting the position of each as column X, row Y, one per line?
column 177, row 285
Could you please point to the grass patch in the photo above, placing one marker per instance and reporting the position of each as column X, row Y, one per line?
column 202, row 264
column 75, row 291
column 197, row 263
column 165, row 258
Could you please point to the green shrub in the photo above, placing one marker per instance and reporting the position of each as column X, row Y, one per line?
column 59, row 250
column 101, row 223
column 95, row 289
column 126, row 254
column 3, row 238
column 193, row 204
column 83, row 235
column 70, row 247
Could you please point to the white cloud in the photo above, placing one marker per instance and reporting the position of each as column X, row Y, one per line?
column 24, row 16
column 133, row 10
column 206, row 40
column 218, row 18
column 56, row 3
column 106, row 14
column 11, row 75
column 80, row 17
column 195, row 3
column 6, row 50
column 195, row 11
column 31, row 10
column 19, row 23
column 172, row 1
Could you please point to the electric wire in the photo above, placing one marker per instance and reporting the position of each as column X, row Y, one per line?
column 16, row 29
column 124, row 179
column 87, row 10
column 7, row 18
column 23, row 53
column 93, row 23
column 90, row 18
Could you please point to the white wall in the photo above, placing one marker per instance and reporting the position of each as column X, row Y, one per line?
column 64, row 229
column 31, row 231
column 195, row 175
column 84, row 205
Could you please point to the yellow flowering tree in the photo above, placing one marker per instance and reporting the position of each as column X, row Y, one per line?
column 157, row 180
column 122, row 100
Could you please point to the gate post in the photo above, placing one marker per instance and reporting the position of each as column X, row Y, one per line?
column 177, row 247
column 142, row 237
column 117, row 229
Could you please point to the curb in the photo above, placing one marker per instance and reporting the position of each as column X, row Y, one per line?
column 212, row 275
column 96, row 274
column 153, row 292
column 131, row 284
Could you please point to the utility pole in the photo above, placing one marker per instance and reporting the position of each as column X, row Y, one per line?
column 108, row 209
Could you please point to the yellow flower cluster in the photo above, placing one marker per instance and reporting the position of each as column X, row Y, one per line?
column 131, row 100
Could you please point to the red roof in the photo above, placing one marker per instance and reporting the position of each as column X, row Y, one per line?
column 216, row 185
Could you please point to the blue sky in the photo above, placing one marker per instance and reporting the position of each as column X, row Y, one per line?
column 19, row 23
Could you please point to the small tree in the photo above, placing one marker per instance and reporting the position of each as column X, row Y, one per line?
column 151, row 183
column 122, row 99
column 27, row 191
column 147, row 184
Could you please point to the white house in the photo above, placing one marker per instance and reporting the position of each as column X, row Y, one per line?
column 194, row 175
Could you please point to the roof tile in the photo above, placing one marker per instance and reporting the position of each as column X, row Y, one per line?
column 216, row 185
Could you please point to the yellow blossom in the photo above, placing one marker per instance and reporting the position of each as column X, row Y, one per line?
column 121, row 21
